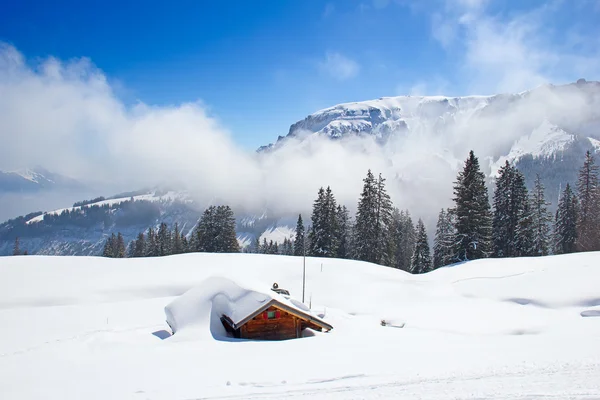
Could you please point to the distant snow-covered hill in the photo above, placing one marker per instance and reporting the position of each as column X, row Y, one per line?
column 34, row 180
column 82, row 229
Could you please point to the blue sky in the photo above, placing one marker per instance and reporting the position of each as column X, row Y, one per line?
column 260, row 66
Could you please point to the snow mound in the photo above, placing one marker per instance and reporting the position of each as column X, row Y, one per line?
column 200, row 309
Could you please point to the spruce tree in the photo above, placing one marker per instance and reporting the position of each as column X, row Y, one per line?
column 185, row 244
column 227, row 234
column 16, row 249
column 177, row 247
column 120, row 247
column 525, row 232
column 408, row 239
column 256, row 246
column 472, row 213
column 299, row 237
column 323, row 233
column 541, row 219
column 373, row 224
column 421, row 259
column 343, row 232
column 139, row 246
column 365, row 235
column 264, row 248
column 504, row 217
column 383, row 222
column 164, row 240
column 108, row 247
column 565, row 226
column 588, row 221
column 444, row 240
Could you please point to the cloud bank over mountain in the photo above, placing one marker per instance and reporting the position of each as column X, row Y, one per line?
column 66, row 116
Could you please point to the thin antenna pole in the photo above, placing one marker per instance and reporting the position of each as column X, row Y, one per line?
column 303, row 266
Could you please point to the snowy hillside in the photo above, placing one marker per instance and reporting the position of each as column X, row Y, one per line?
column 95, row 328
column 154, row 196
column 83, row 229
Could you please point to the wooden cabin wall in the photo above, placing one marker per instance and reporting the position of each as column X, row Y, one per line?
column 287, row 326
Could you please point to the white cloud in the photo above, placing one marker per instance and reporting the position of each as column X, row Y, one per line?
column 509, row 53
column 339, row 66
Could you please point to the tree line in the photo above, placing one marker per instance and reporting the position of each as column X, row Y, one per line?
column 517, row 223
column 214, row 233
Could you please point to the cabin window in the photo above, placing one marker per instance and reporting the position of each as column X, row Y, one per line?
column 271, row 315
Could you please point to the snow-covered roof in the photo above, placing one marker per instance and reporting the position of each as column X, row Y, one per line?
column 217, row 297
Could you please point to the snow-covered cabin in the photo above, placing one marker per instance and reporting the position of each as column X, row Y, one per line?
column 279, row 318
column 225, row 308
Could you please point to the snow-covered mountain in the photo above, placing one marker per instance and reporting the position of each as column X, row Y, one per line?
column 405, row 115
column 546, row 141
column 34, row 180
column 543, row 131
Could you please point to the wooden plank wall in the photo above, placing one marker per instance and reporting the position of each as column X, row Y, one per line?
column 287, row 326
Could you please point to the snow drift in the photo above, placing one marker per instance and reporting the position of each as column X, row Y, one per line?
column 498, row 328
column 199, row 310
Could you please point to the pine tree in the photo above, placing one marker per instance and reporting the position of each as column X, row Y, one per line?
column 383, row 222
column 588, row 222
column 525, row 232
column 185, row 244
column 119, row 251
column 139, row 246
column 472, row 213
column 421, row 259
column 299, row 238
column 343, row 232
column 16, row 249
column 151, row 248
column 227, row 235
column 373, row 225
column 365, row 235
column 264, row 247
column 177, row 247
column 164, row 240
column 542, row 219
column 111, row 247
column 256, row 246
column 130, row 249
column 215, row 232
column 323, row 233
column 444, row 240
column 565, row 226
column 407, row 236
column 107, row 250
column 504, row 222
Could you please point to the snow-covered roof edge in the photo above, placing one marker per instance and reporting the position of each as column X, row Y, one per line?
column 288, row 306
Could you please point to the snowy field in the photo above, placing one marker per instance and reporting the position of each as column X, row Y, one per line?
column 94, row 328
